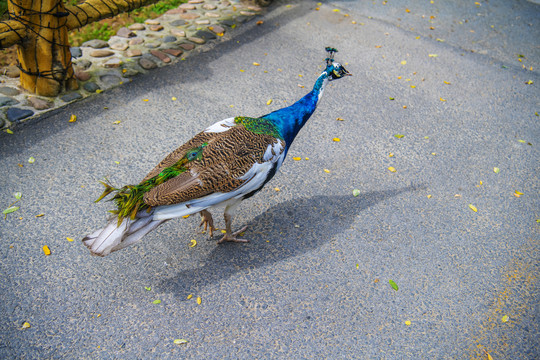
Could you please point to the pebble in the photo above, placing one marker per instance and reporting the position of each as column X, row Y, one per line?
column 195, row 1
column 91, row 87
column 246, row 13
column 101, row 53
column 152, row 45
column 83, row 64
column 133, row 52
column 71, row 96
column 9, row 91
column 175, row 11
column 110, row 80
column 156, row 27
column 202, row 22
column 12, row 71
column 209, row 7
column 137, row 26
column 136, row 41
column 173, row 52
column 125, row 33
column 212, row 15
column 189, row 16
column 120, row 46
column 113, row 63
column 179, row 22
column 7, row 101
column 96, row 44
column 129, row 72
column 75, row 51
column 82, row 75
column 152, row 22
column 216, row 29
column 187, row 6
column 187, row 47
column 147, row 64
column 169, row 38
column 39, row 104
column 196, row 40
column 206, row 35
column 161, row 56
column 16, row 114
column 2, row 122
column 179, row 33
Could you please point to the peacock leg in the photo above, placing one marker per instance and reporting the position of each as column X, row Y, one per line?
column 229, row 235
column 208, row 221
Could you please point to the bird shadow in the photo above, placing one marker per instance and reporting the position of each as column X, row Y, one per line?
column 292, row 228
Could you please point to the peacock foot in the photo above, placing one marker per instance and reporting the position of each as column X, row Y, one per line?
column 233, row 237
column 208, row 222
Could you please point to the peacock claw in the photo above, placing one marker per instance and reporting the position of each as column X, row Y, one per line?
column 233, row 237
column 208, row 222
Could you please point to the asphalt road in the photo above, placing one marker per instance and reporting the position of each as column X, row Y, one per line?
column 314, row 280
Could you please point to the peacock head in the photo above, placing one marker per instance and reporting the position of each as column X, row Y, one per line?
column 334, row 69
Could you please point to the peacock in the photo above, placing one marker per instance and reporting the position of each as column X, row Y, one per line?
column 226, row 163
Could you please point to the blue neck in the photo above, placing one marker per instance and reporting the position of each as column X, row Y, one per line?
column 290, row 120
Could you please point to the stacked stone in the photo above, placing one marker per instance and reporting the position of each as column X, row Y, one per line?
column 100, row 65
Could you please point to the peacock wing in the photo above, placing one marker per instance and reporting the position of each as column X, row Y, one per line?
column 179, row 153
column 225, row 161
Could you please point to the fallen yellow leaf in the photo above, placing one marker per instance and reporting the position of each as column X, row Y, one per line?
column 46, row 250
column 297, row 158
column 518, row 193
column 277, row 189
column 442, row 99
column 116, row 122
column 180, row 341
column 26, row 325
column 269, row 102
column 392, row 169
column 473, row 208
column 69, row 239
column 199, row 300
column 40, row 215
column 185, row 216
column 173, row 98
column 429, row 196
column 391, row 155
column 193, row 243
column 340, row 119
column 189, row 296
column 256, row 64
column 73, row 118
column 326, row 171
column 336, row 139
column 504, row 318
column 403, row 62
column 408, row 322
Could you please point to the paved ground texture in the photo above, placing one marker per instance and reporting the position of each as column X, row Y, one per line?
column 454, row 226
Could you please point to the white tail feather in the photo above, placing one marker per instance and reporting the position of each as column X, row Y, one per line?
column 114, row 237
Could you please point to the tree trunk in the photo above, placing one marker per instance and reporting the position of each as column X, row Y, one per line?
column 44, row 56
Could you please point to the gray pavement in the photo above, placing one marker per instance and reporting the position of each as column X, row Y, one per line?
column 314, row 280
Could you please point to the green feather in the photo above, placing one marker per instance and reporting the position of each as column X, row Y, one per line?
column 260, row 126
column 129, row 199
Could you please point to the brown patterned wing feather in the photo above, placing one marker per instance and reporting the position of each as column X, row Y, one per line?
column 228, row 156
column 177, row 154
